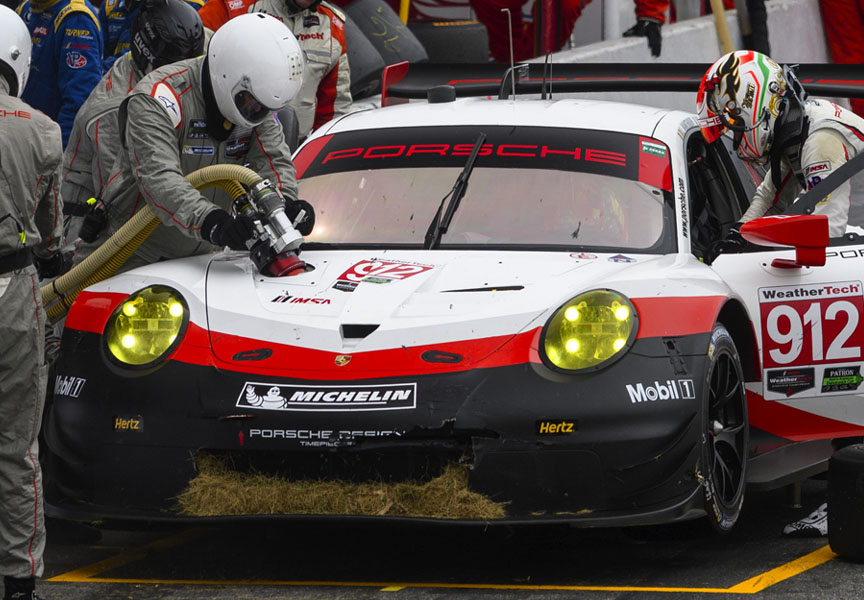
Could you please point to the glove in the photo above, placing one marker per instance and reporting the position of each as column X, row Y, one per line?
column 307, row 222
column 732, row 243
column 650, row 29
column 53, row 266
column 221, row 229
column 94, row 222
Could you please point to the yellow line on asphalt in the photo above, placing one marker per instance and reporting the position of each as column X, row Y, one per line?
column 88, row 572
column 790, row 569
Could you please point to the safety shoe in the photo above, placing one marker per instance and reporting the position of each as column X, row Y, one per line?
column 20, row 589
column 814, row 525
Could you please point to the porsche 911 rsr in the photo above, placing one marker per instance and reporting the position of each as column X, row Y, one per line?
column 522, row 289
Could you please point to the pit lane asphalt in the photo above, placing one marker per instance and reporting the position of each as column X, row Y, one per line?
column 351, row 561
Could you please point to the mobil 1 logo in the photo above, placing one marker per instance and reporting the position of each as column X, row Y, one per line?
column 670, row 389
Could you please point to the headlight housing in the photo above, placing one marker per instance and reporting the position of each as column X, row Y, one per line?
column 146, row 327
column 589, row 332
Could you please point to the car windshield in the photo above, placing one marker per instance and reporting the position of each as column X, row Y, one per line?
column 531, row 187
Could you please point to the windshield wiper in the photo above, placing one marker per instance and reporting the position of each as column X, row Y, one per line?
column 439, row 225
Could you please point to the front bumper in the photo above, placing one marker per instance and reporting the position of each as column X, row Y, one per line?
column 595, row 450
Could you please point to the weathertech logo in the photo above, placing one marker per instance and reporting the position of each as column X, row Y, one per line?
column 266, row 396
column 671, row 389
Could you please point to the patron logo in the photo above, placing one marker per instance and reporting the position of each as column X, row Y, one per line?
column 790, row 381
column 328, row 398
column 66, row 385
column 842, row 379
column 671, row 389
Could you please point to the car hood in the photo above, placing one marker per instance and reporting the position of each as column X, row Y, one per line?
column 359, row 301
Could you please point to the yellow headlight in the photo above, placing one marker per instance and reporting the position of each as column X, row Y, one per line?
column 589, row 330
column 146, row 326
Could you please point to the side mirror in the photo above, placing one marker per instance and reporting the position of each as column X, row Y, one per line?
column 808, row 234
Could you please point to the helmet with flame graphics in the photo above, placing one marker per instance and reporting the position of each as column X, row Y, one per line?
column 744, row 93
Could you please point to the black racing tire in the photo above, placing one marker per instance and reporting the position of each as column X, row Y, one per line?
column 389, row 35
column 365, row 61
column 726, row 433
column 845, row 498
column 453, row 41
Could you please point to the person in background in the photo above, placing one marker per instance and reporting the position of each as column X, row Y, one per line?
column 67, row 57
column 163, row 32
column 30, row 230
column 320, row 29
column 116, row 18
column 215, row 13
column 215, row 109
column 844, row 31
column 651, row 15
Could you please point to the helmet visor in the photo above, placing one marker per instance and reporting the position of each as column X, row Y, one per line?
column 249, row 107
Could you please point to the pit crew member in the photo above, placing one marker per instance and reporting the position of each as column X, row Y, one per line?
column 203, row 111
column 320, row 29
column 30, row 221
column 116, row 18
column 67, row 57
column 163, row 32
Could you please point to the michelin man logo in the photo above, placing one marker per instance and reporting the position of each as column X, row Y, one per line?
column 273, row 400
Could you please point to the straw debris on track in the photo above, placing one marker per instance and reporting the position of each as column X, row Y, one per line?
column 219, row 490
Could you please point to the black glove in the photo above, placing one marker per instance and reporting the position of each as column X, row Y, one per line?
column 221, row 229
column 307, row 222
column 94, row 222
column 732, row 243
column 53, row 266
column 647, row 28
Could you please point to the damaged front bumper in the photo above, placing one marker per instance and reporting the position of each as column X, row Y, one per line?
column 617, row 447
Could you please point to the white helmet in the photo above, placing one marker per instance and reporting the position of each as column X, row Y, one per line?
column 256, row 68
column 744, row 92
column 15, row 48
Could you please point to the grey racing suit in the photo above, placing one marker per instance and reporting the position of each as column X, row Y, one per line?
column 163, row 123
column 93, row 147
column 835, row 135
column 30, row 157
column 326, row 89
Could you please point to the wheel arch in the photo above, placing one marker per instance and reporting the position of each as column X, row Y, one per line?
column 734, row 317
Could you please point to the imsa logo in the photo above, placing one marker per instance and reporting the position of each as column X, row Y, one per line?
column 671, row 389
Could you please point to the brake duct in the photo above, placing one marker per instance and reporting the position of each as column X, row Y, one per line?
column 58, row 295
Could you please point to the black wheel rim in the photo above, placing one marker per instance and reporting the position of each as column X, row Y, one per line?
column 727, row 430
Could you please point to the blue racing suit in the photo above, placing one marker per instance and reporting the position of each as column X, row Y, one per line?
column 67, row 57
column 116, row 22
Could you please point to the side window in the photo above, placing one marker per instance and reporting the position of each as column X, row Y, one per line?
column 718, row 194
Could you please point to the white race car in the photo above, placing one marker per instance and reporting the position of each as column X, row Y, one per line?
column 519, row 287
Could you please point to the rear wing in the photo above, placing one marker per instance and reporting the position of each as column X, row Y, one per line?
column 404, row 81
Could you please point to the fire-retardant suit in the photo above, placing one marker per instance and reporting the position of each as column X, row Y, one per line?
column 320, row 30
column 176, row 121
column 30, row 221
column 843, row 21
column 67, row 57
column 164, row 32
column 835, row 135
column 765, row 108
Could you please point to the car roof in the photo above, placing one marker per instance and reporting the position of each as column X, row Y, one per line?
column 568, row 112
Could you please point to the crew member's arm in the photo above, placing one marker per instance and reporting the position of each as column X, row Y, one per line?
column 152, row 147
column 48, row 217
column 270, row 157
